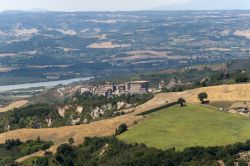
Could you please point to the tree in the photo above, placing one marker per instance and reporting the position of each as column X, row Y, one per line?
column 45, row 147
column 229, row 163
column 71, row 141
column 202, row 96
column 181, row 101
column 242, row 163
column 122, row 128
column 42, row 161
column 241, row 78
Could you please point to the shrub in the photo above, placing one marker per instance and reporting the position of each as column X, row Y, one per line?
column 42, row 161
column 242, row 163
column 181, row 101
column 71, row 141
column 121, row 129
column 241, row 78
column 229, row 163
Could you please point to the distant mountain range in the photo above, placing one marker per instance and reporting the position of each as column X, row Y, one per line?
column 21, row 11
column 209, row 5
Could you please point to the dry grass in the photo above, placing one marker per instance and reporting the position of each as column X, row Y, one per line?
column 14, row 105
column 107, row 45
column 239, row 92
column 5, row 69
column 218, row 49
column 7, row 54
column 243, row 33
column 149, row 54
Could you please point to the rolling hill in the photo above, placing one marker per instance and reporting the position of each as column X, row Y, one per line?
column 189, row 126
column 209, row 5
column 236, row 92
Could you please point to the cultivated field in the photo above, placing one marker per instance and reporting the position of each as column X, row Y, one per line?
column 193, row 125
column 243, row 33
column 107, row 45
column 237, row 92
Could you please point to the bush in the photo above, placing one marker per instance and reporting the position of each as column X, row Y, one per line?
column 121, row 129
column 229, row 163
column 71, row 141
column 242, row 163
column 241, row 78
column 42, row 161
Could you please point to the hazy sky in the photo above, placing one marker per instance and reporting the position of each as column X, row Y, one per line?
column 85, row 5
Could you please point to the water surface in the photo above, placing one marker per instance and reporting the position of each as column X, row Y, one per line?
column 41, row 84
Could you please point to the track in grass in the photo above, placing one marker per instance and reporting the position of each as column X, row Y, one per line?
column 192, row 125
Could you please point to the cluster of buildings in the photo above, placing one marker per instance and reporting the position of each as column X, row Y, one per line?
column 173, row 83
column 107, row 89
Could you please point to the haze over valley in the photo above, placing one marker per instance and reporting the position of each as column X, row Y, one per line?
column 125, row 83
column 48, row 46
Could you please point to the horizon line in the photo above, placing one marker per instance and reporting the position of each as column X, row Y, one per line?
column 143, row 10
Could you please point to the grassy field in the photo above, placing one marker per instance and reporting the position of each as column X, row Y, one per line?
column 192, row 125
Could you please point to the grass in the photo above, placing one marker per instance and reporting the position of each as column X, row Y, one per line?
column 192, row 125
column 221, row 104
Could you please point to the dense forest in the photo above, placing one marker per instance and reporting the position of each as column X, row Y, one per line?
column 14, row 149
column 110, row 151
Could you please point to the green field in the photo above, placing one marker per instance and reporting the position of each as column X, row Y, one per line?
column 192, row 125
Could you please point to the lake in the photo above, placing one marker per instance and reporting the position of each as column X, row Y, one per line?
column 47, row 84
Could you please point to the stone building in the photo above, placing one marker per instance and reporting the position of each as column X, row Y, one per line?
column 137, row 87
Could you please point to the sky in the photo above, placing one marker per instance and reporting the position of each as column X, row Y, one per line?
column 85, row 5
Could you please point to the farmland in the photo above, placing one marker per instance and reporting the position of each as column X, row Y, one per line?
column 192, row 125
column 58, row 45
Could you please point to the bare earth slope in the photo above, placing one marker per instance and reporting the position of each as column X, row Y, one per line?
column 14, row 105
column 237, row 92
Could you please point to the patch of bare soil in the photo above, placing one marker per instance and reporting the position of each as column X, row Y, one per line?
column 149, row 54
column 16, row 104
column 107, row 45
column 243, row 33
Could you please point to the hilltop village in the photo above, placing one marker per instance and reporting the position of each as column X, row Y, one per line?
column 109, row 89
column 133, row 87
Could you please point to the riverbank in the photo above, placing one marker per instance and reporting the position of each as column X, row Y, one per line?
column 48, row 84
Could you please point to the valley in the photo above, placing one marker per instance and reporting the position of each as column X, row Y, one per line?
column 122, row 88
column 54, row 46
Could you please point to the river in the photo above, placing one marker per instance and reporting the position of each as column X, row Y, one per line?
column 41, row 84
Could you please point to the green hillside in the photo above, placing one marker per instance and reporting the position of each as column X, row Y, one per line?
column 192, row 125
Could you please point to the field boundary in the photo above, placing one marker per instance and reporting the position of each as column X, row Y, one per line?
column 157, row 109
